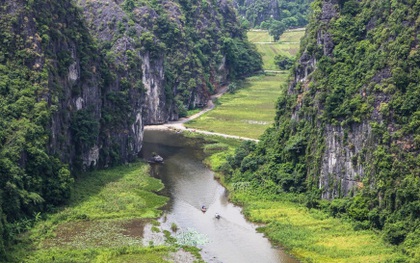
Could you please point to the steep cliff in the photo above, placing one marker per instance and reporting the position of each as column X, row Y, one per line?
column 358, row 79
column 181, row 45
column 46, row 74
column 348, row 126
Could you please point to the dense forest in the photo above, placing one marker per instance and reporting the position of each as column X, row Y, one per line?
column 347, row 129
column 265, row 13
column 78, row 81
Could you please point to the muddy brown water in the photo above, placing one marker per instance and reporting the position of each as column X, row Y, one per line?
column 190, row 184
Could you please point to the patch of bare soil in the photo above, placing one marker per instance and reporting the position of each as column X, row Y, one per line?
column 134, row 228
column 182, row 256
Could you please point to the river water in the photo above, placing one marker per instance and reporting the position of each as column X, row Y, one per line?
column 190, row 184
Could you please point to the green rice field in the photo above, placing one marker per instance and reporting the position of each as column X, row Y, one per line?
column 251, row 109
column 248, row 112
column 288, row 45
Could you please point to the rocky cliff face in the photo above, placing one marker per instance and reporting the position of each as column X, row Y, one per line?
column 348, row 105
column 178, row 45
column 109, row 23
column 337, row 176
column 341, row 173
column 64, row 57
column 86, row 129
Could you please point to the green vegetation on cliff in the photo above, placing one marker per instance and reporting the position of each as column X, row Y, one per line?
column 193, row 45
column 32, row 178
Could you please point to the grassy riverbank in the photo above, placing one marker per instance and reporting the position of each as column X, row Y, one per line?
column 103, row 222
column 311, row 235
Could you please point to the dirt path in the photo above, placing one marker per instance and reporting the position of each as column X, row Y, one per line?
column 178, row 125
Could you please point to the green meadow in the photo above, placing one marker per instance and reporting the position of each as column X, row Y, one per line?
column 103, row 221
column 312, row 235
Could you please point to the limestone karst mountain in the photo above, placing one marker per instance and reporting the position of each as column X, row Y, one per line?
column 79, row 80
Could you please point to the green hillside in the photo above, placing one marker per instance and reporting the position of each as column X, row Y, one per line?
column 261, row 13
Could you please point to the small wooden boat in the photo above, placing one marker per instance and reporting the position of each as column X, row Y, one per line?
column 155, row 159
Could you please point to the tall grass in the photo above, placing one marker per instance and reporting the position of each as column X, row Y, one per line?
column 314, row 236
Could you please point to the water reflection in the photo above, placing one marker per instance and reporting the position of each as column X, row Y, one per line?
column 190, row 185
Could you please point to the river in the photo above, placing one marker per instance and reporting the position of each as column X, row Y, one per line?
column 190, row 184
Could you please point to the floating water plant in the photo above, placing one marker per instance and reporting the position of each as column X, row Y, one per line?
column 191, row 237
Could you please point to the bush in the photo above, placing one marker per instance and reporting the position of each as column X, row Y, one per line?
column 395, row 233
column 232, row 87
column 283, row 62
column 85, row 127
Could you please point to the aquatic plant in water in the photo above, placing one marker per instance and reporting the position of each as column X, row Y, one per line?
column 191, row 237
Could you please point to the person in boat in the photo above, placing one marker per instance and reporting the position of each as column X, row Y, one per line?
column 217, row 216
column 203, row 208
